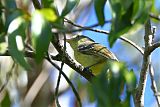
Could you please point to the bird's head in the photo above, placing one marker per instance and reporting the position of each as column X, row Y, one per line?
column 78, row 39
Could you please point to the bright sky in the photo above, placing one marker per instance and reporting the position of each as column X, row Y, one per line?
column 101, row 38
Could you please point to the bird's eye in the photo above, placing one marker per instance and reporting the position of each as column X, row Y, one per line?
column 78, row 37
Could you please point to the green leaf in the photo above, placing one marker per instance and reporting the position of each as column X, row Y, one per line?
column 121, row 20
column 2, row 37
column 130, row 80
column 10, row 4
column 49, row 14
column 91, row 93
column 2, row 21
column 16, row 39
column 99, row 8
column 6, row 101
column 107, row 93
column 138, row 8
column 127, row 16
column 3, row 47
column 47, row 3
column 11, row 16
column 69, row 6
column 41, row 34
column 115, row 77
column 128, row 76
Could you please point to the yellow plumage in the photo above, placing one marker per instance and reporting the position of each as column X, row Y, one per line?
column 90, row 54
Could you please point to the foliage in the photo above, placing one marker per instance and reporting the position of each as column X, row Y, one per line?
column 108, row 93
column 33, row 31
column 127, row 13
column 41, row 30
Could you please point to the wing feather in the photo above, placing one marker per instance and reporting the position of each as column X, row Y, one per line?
column 92, row 48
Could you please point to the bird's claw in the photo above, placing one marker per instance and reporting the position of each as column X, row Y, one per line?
column 87, row 69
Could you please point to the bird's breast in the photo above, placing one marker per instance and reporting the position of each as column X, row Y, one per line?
column 97, row 63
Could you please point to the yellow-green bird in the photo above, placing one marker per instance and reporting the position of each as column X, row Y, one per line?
column 90, row 54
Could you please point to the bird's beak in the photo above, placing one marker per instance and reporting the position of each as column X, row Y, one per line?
column 68, row 39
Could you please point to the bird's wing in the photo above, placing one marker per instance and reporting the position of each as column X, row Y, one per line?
column 92, row 48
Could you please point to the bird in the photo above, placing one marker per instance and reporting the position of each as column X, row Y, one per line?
column 90, row 54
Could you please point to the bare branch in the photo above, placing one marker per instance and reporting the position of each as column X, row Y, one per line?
column 133, row 44
column 154, row 46
column 106, row 32
column 151, row 70
column 154, row 16
column 139, row 94
column 36, row 4
column 69, row 61
column 82, row 28
column 59, row 76
column 153, row 84
column 30, row 96
column 67, row 79
column 27, row 53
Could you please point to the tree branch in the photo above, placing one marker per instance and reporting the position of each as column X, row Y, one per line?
column 154, row 16
column 67, row 79
column 153, row 85
column 82, row 27
column 60, row 72
column 154, row 46
column 27, row 53
column 132, row 44
column 104, row 32
column 69, row 61
column 139, row 94
column 36, row 4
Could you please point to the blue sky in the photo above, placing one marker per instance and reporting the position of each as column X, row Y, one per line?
column 101, row 38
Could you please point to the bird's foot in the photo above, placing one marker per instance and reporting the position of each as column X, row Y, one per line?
column 86, row 69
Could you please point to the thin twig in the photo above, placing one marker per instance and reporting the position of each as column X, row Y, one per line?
column 154, row 46
column 59, row 76
column 153, row 84
column 67, row 79
column 133, row 44
column 151, row 70
column 84, row 28
column 81, row 28
column 26, row 53
column 106, row 32
column 57, row 89
column 36, row 4
column 157, row 17
column 8, row 75
column 97, row 24
column 139, row 94
column 69, row 61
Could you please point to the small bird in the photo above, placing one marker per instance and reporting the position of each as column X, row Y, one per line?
column 90, row 54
